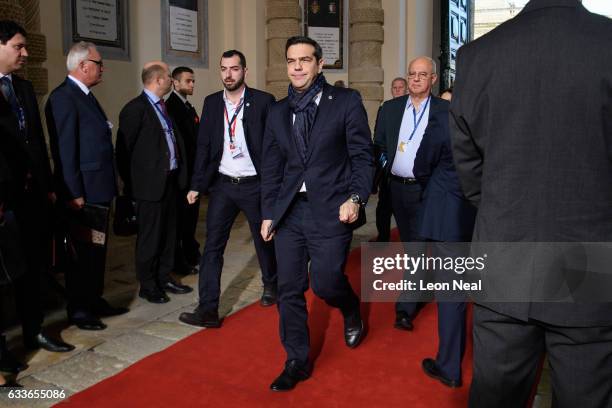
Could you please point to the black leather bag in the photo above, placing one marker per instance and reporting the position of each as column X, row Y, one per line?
column 125, row 223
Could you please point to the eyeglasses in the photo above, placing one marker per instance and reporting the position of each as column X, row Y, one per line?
column 421, row 75
column 98, row 63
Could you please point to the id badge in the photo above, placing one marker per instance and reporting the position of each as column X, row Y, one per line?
column 236, row 151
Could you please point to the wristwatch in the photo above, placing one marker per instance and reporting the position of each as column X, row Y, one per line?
column 355, row 199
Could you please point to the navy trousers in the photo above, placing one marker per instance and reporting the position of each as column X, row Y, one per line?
column 298, row 241
column 406, row 200
column 225, row 203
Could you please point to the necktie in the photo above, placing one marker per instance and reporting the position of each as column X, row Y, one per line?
column 162, row 105
column 95, row 102
column 9, row 93
column 193, row 112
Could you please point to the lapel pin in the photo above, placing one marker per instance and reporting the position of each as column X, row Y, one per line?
column 330, row 97
column 248, row 104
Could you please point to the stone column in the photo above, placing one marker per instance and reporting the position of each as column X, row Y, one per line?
column 366, row 37
column 37, row 47
column 283, row 18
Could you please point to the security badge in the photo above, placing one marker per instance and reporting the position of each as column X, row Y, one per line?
column 400, row 146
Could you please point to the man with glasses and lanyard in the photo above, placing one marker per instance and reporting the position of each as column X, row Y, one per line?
column 401, row 124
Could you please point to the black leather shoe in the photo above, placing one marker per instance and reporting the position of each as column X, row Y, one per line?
column 293, row 373
column 154, row 296
column 403, row 321
column 432, row 370
column 208, row 319
column 87, row 322
column 50, row 344
column 353, row 330
column 268, row 298
column 103, row 309
column 177, row 288
column 8, row 362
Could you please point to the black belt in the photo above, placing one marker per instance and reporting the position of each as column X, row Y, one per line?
column 302, row 195
column 238, row 180
column 403, row 180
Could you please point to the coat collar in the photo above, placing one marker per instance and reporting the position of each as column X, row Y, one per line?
column 540, row 4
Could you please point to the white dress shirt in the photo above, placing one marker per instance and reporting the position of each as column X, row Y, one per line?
column 410, row 138
column 231, row 164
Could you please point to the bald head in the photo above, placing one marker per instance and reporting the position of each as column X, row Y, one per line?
column 421, row 77
column 156, row 77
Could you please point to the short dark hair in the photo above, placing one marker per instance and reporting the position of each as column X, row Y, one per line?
column 151, row 73
column 301, row 39
column 8, row 29
column 176, row 73
column 231, row 53
column 449, row 90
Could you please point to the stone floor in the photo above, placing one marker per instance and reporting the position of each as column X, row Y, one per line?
column 147, row 328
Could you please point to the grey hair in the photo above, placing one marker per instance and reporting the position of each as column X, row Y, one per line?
column 434, row 66
column 78, row 53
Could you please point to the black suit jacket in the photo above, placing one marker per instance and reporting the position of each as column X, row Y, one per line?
column 23, row 155
column 532, row 142
column 143, row 157
column 210, row 139
column 187, row 122
column 389, row 121
column 81, row 144
column 445, row 213
column 339, row 161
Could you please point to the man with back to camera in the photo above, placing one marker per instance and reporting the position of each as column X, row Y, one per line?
column 536, row 161
column 151, row 161
column 317, row 171
column 81, row 143
column 400, row 128
column 228, row 168
column 187, row 121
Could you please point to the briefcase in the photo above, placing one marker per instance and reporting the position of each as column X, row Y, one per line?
column 90, row 224
column 125, row 223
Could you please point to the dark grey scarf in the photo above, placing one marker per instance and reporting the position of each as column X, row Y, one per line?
column 304, row 107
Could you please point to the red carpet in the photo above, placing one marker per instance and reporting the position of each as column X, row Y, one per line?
column 234, row 366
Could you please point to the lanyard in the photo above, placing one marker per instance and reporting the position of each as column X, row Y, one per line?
column 166, row 118
column 231, row 124
column 417, row 123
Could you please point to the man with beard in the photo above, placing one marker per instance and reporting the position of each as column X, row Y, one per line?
column 150, row 155
column 227, row 167
column 317, row 171
column 187, row 121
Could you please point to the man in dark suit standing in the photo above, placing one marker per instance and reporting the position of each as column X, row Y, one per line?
column 536, row 161
column 446, row 218
column 400, row 127
column 82, row 147
column 317, row 171
column 228, row 168
column 187, row 121
column 151, row 160
column 27, row 175
column 384, row 210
